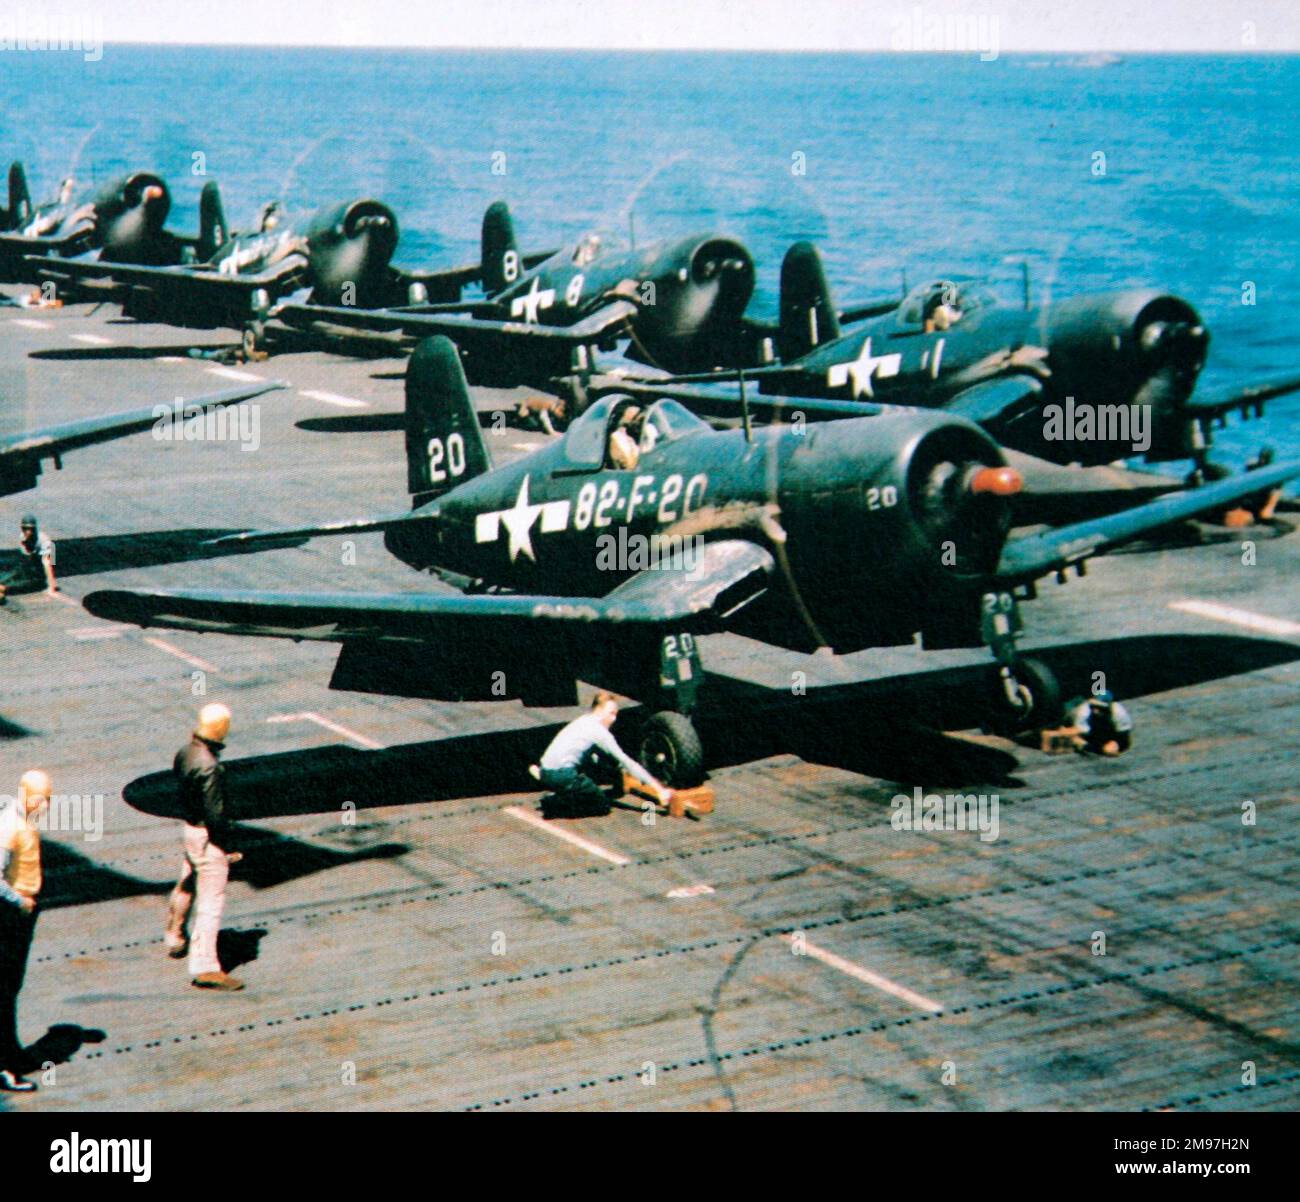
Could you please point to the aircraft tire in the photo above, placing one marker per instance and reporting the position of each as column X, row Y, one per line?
column 671, row 750
column 1039, row 682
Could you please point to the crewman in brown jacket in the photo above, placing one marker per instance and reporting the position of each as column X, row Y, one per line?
column 208, row 856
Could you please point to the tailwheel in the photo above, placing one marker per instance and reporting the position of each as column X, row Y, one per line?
column 1025, row 698
column 671, row 750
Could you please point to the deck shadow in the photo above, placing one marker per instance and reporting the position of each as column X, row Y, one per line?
column 117, row 552
column 892, row 729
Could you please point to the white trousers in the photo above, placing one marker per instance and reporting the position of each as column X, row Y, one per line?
column 203, row 874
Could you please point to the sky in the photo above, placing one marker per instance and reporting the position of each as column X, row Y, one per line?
column 1069, row 26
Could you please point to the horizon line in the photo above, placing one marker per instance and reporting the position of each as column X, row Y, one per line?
column 1075, row 52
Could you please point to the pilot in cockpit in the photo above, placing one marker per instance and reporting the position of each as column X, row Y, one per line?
column 587, row 250
column 270, row 216
column 625, row 439
column 941, row 311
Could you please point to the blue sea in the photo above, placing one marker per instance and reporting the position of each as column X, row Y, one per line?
column 929, row 164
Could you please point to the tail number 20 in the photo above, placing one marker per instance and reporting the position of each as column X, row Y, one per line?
column 452, row 453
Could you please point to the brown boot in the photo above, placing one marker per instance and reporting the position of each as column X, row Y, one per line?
column 217, row 980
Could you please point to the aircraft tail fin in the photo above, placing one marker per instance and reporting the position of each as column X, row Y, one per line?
column 213, row 230
column 808, row 316
column 19, row 212
column 500, row 262
column 444, row 444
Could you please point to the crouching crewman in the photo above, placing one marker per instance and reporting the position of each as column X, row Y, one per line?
column 1104, row 726
column 576, row 794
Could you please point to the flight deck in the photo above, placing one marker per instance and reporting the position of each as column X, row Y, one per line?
column 414, row 935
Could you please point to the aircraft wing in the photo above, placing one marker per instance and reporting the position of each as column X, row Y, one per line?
column 70, row 244
column 54, row 441
column 1027, row 557
column 989, row 400
column 283, row 273
column 249, row 538
column 1220, row 402
column 465, row 330
column 870, row 308
column 727, row 576
column 458, row 277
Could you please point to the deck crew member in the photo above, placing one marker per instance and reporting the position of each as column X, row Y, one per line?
column 20, row 885
column 35, row 566
column 208, row 856
column 1264, row 504
column 1104, row 725
column 564, row 759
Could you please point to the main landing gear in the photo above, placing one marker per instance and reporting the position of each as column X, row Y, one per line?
column 668, row 744
column 1024, row 693
column 671, row 749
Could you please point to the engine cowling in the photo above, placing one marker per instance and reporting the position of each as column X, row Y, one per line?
column 1142, row 347
column 352, row 244
column 906, row 530
column 702, row 286
column 130, row 214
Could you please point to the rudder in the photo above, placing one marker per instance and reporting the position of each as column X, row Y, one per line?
column 19, row 212
column 500, row 262
column 808, row 314
column 213, row 230
column 444, row 444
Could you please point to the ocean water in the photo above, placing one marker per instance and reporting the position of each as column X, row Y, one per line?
column 928, row 164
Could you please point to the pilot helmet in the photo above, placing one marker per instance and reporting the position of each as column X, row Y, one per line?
column 28, row 522
column 1104, row 698
column 270, row 215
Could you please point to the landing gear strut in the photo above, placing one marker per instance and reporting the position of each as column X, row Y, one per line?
column 253, row 339
column 1025, row 695
column 668, row 744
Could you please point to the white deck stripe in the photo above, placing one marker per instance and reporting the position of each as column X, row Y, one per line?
column 171, row 359
column 867, row 977
column 92, row 339
column 229, row 373
column 333, row 398
column 559, row 832
column 98, row 632
column 164, row 645
column 30, row 323
column 1238, row 617
column 335, row 727
column 690, row 891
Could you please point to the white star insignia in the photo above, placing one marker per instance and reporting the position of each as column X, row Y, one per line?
column 860, row 372
column 533, row 300
column 518, row 522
